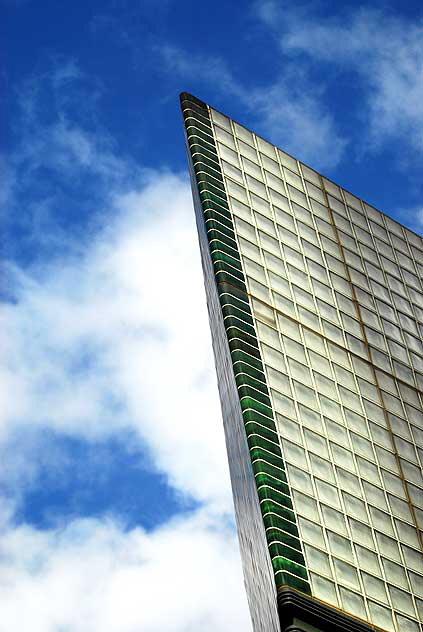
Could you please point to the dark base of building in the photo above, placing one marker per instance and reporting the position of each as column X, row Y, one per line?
column 300, row 613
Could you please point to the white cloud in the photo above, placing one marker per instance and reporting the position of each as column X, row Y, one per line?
column 91, row 575
column 381, row 50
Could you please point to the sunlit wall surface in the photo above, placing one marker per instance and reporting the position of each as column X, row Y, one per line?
column 318, row 305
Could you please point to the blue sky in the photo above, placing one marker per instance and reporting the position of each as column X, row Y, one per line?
column 111, row 442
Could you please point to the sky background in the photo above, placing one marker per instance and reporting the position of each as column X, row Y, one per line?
column 116, row 511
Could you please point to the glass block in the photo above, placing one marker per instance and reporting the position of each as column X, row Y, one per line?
column 413, row 558
column 407, row 533
column 288, row 429
column 334, row 519
column 393, row 483
column 336, row 432
column 355, row 507
column 263, row 312
column 317, row 560
column 316, row 443
column 323, row 589
column 294, row 350
column 374, row 587
column 305, row 395
column 407, row 625
column 381, row 520
column 279, row 381
column 381, row 616
column 375, row 495
column 300, row 479
column 342, row 457
column 367, row 560
column 353, row 603
column 356, row 422
column 340, row 546
column 361, row 533
column 310, row 418
column 401, row 600
column 269, row 335
column 368, row 470
column 395, row 573
column 348, row 482
column 416, row 582
column 283, row 405
column 319, row 363
column 273, row 357
column 305, row 506
column 346, row 574
column 327, row 493
column 399, row 508
column 322, row 468
column 388, row 546
column 312, row 532
column 362, row 446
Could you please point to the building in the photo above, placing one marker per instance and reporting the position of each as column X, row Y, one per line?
column 316, row 308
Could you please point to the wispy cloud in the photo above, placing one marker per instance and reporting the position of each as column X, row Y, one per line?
column 382, row 51
column 289, row 111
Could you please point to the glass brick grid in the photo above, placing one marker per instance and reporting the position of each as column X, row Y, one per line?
column 270, row 473
column 337, row 303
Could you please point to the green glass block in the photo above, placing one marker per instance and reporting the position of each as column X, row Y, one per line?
column 277, row 549
column 253, row 428
column 277, row 535
column 265, row 479
column 205, row 181
column 262, row 466
column 236, row 331
column 269, row 507
column 260, row 454
column 246, row 392
column 200, row 145
column 227, row 289
column 193, row 133
column 207, row 197
column 209, row 153
column 205, row 189
column 202, row 125
column 266, row 493
column 244, row 380
column 284, row 564
column 220, row 237
column 222, row 266
column 219, row 246
column 236, row 344
column 231, row 310
column 225, row 230
column 264, row 420
column 218, row 255
column 248, row 402
column 278, row 522
column 218, row 217
column 284, row 579
column 197, row 115
column 243, row 368
column 187, row 105
column 241, row 356
column 217, row 208
column 256, row 441
column 200, row 167
column 241, row 305
column 225, row 277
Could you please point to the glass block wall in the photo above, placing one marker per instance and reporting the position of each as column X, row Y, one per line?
column 320, row 300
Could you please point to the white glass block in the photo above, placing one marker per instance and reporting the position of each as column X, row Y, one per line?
column 416, row 582
column 407, row 625
column 305, row 395
column 250, row 250
column 395, row 573
column 337, row 432
column 225, row 137
column 412, row 473
column 298, row 277
column 310, row 418
column 286, row 306
column 368, row 470
column 279, row 381
column 348, row 482
column 293, row 178
column 259, row 290
column 317, row 560
column 314, row 341
column 252, row 168
column 413, row 558
column 270, row 164
column 256, row 186
column 353, row 603
column 367, row 560
column 381, row 521
column 243, row 133
column 232, row 172
column 381, row 616
column 342, row 457
column 288, row 429
column 325, row 385
column 327, row 493
column 279, row 284
column 299, row 371
column 247, row 150
column 265, row 224
column 362, row 446
column 299, row 479
column 322, row 468
column 386, row 459
column 393, row 484
column 356, row 422
column 355, row 507
column 401, row 601
column 388, row 546
column 407, row 533
column 283, row 405
column 375, row 495
column 288, row 327
column 244, row 229
column 273, row 358
column 294, row 350
column 346, row 574
column 285, row 220
column 263, row 312
column 374, row 587
column 361, row 533
column 275, row 182
column 311, row 532
column 221, row 120
column 334, row 519
column 269, row 335
column 316, row 443
column 323, row 589
column 269, row 243
column 340, row 546
column 305, row 506
column 259, row 204
column 228, row 154
column 255, row 270
column 330, row 408
column 294, row 453
column 399, row 508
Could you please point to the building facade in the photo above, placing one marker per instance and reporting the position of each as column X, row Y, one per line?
column 315, row 301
